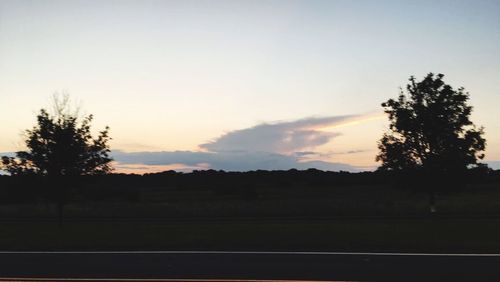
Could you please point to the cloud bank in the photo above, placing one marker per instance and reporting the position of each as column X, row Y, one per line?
column 229, row 161
column 270, row 146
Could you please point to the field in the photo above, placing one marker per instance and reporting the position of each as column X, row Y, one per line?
column 263, row 202
column 274, row 211
column 375, row 234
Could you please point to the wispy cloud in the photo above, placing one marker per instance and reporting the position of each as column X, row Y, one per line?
column 311, row 155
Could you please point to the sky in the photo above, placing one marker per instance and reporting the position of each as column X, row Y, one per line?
column 242, row 85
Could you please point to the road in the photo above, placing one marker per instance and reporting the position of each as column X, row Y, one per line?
column 250, row 265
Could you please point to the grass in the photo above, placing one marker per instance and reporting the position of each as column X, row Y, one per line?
column 403, row 225
column 295, row 201
column 415, row 235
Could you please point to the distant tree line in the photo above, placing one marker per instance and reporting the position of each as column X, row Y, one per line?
column 128, row 187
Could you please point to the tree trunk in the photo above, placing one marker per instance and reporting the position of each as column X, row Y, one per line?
column 60, row 213
column 432, row 202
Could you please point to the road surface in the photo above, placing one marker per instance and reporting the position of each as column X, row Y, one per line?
column 250, row 265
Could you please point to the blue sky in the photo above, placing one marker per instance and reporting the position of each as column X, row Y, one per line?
column 171, row 76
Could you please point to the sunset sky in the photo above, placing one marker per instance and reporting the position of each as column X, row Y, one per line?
column 242, row 85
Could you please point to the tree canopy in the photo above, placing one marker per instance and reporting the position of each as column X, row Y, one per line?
column 61, row 144
column 430, row 128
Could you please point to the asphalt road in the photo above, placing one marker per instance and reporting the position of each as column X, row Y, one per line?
column 248, row 265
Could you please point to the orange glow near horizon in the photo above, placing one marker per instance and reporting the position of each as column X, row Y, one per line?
column 145, row 168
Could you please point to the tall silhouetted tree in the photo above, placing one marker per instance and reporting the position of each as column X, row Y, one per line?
column 61, row 147
column 430, row 131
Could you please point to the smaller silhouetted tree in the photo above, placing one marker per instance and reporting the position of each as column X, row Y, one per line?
column 61, row 147
column 430, row 133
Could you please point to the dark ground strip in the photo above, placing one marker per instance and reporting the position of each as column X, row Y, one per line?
column 250, row 266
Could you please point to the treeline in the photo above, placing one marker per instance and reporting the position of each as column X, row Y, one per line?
column 246, row 185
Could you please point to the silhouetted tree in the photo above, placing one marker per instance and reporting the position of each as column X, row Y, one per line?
column 430, row 132
column 60, row 147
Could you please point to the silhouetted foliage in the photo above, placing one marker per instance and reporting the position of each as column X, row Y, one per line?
column 431, row 140
column 61, row 145
column 60, row 148
column 430, row 129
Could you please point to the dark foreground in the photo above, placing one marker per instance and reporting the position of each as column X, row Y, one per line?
column 377, row 234
column 241, row 265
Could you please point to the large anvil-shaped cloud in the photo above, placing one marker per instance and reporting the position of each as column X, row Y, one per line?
column 279, row 137
column 278, row 145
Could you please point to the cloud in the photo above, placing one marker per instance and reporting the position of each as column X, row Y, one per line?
column 229, row 161
column 270, row 146
column 493, row 164
column 305, row 154
column 280, row 137
column 8, row 154
column 312, row 154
